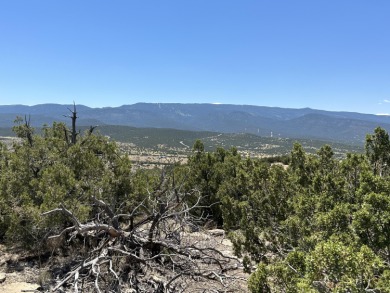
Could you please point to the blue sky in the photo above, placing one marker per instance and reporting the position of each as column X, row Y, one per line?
column 324, row 54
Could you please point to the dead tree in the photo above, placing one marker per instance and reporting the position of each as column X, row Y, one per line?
column 29, row 131
column 73, row 117
column 156, row 253
column 23, row 129
column 91, row 129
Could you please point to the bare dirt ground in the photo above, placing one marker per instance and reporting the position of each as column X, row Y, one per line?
column 20, row 272
column 216, row 238
column 149, row 161
column 17, row 272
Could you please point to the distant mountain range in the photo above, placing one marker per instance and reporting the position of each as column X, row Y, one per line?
column 346, row 127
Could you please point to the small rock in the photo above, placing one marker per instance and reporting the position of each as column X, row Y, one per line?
column 216, row 232
column 2, row 278
column 18, row 287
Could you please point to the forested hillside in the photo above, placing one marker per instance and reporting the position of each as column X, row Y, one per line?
column 312, row 224
column 306, row 123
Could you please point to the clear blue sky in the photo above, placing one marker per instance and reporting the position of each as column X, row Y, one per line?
column 324, row 54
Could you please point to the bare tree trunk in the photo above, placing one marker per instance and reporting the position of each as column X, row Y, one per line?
column 28, row 130
column 73, row 117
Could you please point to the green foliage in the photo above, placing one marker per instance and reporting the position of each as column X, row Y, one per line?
column 342, row 268
column 207, row 172
column 43, row 171
column 320, row 224
column 257, row 282
column 372, row 223
column 378, row 151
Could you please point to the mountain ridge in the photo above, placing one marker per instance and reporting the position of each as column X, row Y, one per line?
column 343, row 126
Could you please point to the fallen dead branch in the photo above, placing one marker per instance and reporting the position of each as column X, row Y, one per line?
column 154, row 253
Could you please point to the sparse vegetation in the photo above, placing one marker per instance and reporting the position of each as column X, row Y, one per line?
column 301, row 222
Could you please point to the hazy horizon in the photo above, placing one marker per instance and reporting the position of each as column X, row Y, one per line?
column 102, row 107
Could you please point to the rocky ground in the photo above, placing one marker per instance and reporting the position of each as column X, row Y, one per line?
column 23, row 272
column 18, row 272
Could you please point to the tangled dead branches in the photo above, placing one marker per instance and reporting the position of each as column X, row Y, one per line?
column 153, row 248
